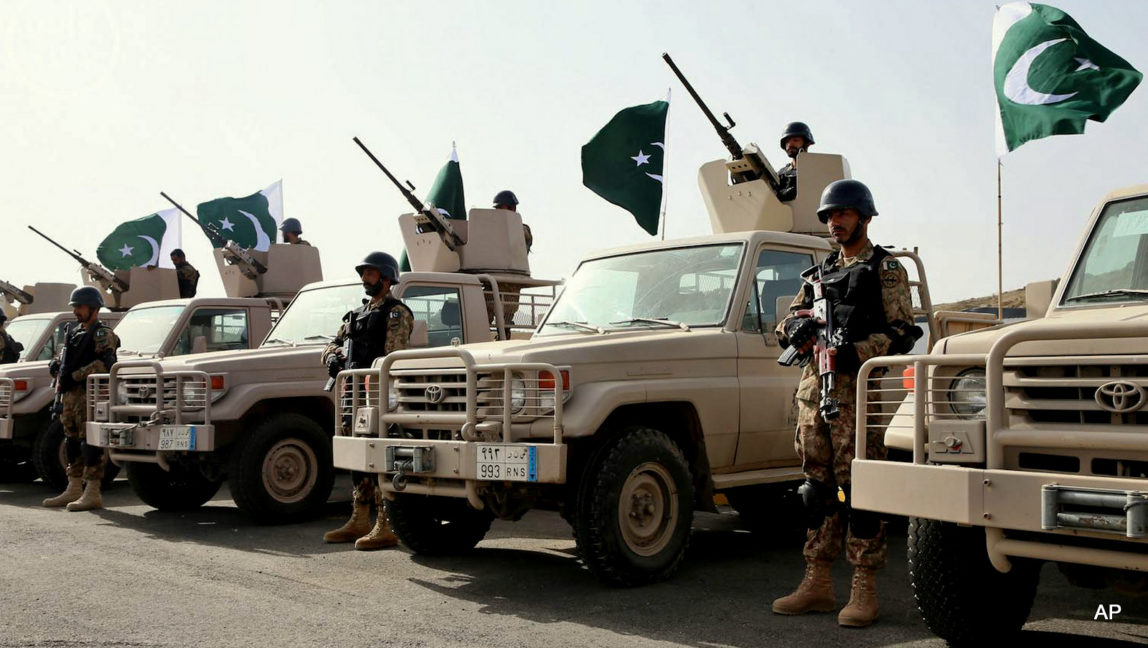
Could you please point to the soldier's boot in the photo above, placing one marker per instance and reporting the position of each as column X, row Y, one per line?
column 72, row 493
column 380, row 536
column 814, row 594
column 862, row 608
column 91, row 498
column 356, row 527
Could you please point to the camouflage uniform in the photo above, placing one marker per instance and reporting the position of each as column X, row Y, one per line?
column 400, row 322
column 88, row 462
column 827, row 448
column 188, row 278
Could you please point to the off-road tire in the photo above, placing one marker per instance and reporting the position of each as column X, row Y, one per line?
column 962, row 598
column 51, row 464
column 283, row 471
column 16, row 466
column 183, row 488
column 639, row 478
column 437, row 526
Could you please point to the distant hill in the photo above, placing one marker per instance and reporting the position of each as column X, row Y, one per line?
column 1012, row 299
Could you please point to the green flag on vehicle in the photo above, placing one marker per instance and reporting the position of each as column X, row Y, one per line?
column 1050, row 76
column 146, row 241
column 446, row 194
column 252, row 221
column 623, row 162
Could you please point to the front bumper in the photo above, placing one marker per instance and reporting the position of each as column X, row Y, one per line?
column 198, row 437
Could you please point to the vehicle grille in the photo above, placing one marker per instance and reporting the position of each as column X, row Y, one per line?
column 141, row 389
column 6, row 388
column 1067, row 393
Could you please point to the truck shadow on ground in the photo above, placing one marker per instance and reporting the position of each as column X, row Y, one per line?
column 722, row 594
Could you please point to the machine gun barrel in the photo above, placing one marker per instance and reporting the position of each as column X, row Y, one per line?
column 437, row 222
column 98, row 272
column 15, row 293
column 217, row 238
column 727, row 139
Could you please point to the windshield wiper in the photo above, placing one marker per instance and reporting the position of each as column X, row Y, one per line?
column 583, row 326
column 319, row 337
column 277, row 341
column 1115, row 292
column 649, row 320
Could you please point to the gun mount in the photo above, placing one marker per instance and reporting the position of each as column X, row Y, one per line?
column 38, row 298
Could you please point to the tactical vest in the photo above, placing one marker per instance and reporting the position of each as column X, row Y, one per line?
column 367, row 330
column 854, row 295
column 80, row 347
column 12, row 349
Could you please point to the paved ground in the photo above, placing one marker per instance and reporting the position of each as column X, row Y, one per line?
column 132, row 576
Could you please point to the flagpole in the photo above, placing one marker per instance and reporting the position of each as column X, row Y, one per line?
column 1000, row 248
column 665, row 191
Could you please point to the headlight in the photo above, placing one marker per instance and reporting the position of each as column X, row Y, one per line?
column 121, row 392
column 517, row 395
column 194, row 393
column 968, row 397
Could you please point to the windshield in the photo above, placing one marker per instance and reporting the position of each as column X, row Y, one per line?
column 1114, row 264
column 683, row 286
column 315, row 315
column 143, row 330
column 27, row 330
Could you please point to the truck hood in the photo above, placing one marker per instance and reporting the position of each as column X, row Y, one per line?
column 263, row 358
column 981, row 341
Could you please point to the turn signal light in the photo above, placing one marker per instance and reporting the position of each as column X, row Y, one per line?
column 20, row 385
column 217, row 383
column 909, row 378
column 546, row 380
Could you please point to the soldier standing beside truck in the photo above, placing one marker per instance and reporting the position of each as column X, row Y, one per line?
column 89, row 348
column 796, row 138
column 9, row 349
column 870, row 310
column 378, row 327
column 186, row 274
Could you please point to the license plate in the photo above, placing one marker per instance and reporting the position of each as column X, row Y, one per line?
column 177, row 437
column 507, row 463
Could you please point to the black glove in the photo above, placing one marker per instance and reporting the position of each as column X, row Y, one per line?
column 800, row 330
column 54, row 367
column 334, row 365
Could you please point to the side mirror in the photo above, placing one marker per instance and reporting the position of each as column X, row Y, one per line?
column 1038, row 298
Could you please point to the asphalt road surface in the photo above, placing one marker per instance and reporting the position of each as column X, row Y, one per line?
column 133, row 576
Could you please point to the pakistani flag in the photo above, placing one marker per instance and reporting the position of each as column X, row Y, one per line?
column 146, row 241
column 252, row 222
column 623, row 162
column 1050, row 76
column 446, row 194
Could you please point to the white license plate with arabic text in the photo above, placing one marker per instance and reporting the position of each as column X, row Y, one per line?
column 176, row 437
column 500, row 462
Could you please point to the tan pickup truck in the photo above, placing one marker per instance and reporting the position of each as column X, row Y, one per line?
column 150, row 330
column 1029, row 441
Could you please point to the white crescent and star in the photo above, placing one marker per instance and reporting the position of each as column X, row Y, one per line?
column 641, row 158
column 262, row 241
column 126, row 250
column 154, row 260
column 1016, row 88
column 227, row 225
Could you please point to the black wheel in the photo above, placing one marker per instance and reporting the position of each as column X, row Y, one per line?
column 180, row 489
column 635, row 509
column 283, row 471
column 16, row 466
column 437, row 526
column 962, row 598
column 51, row 461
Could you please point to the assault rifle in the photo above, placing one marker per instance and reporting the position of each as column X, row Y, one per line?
column 747, row 163
column 235, row 253
column 829, row 336
column 97, row 272
column 57, row 384
column 435, row 220
column 14, row 293
column 347, row 364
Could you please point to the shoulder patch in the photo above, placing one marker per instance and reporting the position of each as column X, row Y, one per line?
column 396, row 314
column 890, row 263
column 102, row 333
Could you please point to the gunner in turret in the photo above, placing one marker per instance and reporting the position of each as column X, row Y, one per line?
column 292, row 229
column 510, row 293
column 796, row 138
column 186, row 274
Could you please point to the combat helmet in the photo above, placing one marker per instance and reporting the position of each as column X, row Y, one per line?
column 846, row 194
column 505, row 197
column 383, row 262
column 86, row 296
column 291, row 225
column 797, row 129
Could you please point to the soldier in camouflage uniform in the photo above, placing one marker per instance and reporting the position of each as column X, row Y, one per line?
column 868, row 295
column 89, row 348
column 185, row 274
column 381, row 325
column 509, row 293
column 292, row 229
column 796, row 138
column 9, row 348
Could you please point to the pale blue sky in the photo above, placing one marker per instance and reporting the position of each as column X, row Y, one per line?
column 103, row 104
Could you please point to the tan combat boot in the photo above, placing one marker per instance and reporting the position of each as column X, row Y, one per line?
column 380, row 536
column 91, row 498
column 814, row 594
column 358, row 526
column 71, row 493
column 862, row 608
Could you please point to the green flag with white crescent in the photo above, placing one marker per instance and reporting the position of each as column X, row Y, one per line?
column 146, row 241
column 446, row 194
column 252, row 221
column 623, row 162
column 1050, row 76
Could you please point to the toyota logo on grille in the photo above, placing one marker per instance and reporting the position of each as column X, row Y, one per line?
column 144, row 391
column 434, row 394
column 1120, row 397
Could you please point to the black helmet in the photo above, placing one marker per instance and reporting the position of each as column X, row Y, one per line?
column 797, row 129
column 506, row 197
column 291, row 225
column 383, row 262
column 846, row 194
column 86, row 296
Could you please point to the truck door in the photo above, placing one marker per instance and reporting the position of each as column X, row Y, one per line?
column 440, row 307
column 214, row 329
column 766, row 388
